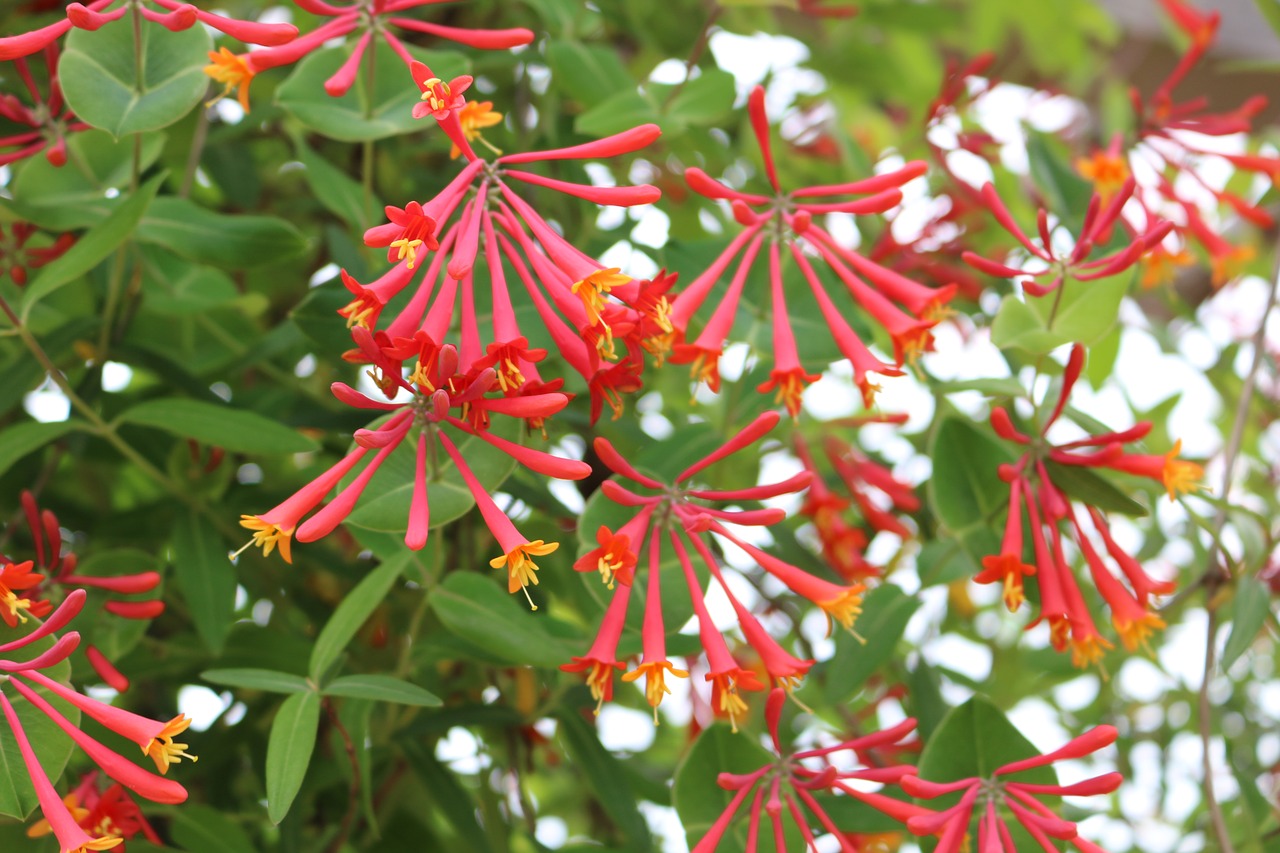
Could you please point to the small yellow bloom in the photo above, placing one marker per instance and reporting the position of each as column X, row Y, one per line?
column 1180, row 476
column 1108, row 172
column 163, row 751
column 266, row 536
column 520, row 566
column 232, row 72
column 473, row 117
column 593, row 289
column 655, row 685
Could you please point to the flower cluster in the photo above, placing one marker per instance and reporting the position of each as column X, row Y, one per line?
column 781, row 788
column 41, row 125
column 906, row 310
column 60, row 574
column 376, row 19
column 871, row 487
column 109, row 813
column 673, row 520
column 1048, row 262
column 1050, row 510
column 17, row 258
column 176, row 16
column 1167, row 155
column 988, row 796
column 460, row 386
column 155, row 738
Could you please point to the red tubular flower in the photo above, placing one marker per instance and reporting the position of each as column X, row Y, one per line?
column 379, row 18
column 1051, row 515
column 587, row 308
column 687, row 512
column 179, row 16
column 1102, row 215
column 101, row 813
column 794, row 779
column 154, row 738
column 789, row 216
column 444, row 401
column 45, row 124
column 17, row 258
column 991, row 793
column 602, row 659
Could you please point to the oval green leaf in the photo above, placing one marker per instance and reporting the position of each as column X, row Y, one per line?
column 353, row 612
column 221, row 426
column 110, row 83
column 293, row 739
column 381, row 688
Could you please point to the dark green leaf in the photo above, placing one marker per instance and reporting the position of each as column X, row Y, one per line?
column 258, row 679
column 223, row 240
column 605, row 777
column 110, row 87
column 1092, row 489
column 1252, row 603
column 353, row 612
column 293, row 738
column 96, row 243
column 21, row 439
column 202, row 829
column 205, row 576
column 381, row 688
column 885, row 613
column 220, row 426
column 698, row 799
column 476, row 609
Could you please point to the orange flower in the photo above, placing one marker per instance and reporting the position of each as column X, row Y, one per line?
column 233, row 72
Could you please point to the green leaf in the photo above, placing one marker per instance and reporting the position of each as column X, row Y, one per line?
column 258, row 679
column 52, row 747
column 704, row 100
column 885, row 613
column 606, row 778
column 353, row 612
column 343, row 196
column 1252, row 604
column 21, row 439
column 698, row 799
column 992, row 387
column 223, row 240
column 477, row 610
column 1087, row 310
column 75, row 197
column 355, row 117
column 1065, row 190
column 237, row 430
column 1016, row 326
column 293, row 738
column 179, row 288
column 1092, row 489
column 107, row 85
column 589, row 73
column 203, row 829
column 448, row 796
column 206, row 577
column 965, row 490
column 447, row 493
column 620, row 111
column 93, row 246
column 381, row 688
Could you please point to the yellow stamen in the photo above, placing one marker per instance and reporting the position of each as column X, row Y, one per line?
column 593, row 289
column 655, row 686
column 265, row 536
column 233, row 73
column 163, row 751
column 406, row 248
column 844, row 608
column 521, row 570
column 1180, row 476
column 1108, row 172
column 1134, row 633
